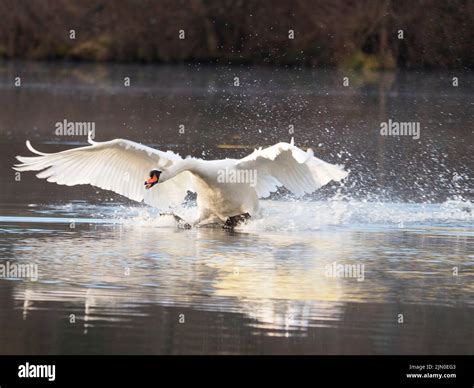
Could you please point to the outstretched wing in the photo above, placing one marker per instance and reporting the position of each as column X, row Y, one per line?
column 118, row 165
column 284, row 164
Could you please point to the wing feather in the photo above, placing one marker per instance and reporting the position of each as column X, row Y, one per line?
column 118, row 165
column 284, row 164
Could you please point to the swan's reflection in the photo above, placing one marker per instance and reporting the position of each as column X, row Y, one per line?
column 277, row 280
column 270, row 277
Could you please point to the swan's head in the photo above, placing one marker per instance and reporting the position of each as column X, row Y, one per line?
column 153, row 180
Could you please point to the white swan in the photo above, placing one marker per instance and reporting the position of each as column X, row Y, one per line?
column 226, row 189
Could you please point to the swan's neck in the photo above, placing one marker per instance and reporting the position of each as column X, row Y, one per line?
column 183, row 165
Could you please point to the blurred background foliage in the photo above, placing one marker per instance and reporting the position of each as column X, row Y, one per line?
column 355, row 34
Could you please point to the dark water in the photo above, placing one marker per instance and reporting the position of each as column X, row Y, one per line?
column 115, row 278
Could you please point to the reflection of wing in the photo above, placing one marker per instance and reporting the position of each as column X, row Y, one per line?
column 117, row 165
column 284, row 164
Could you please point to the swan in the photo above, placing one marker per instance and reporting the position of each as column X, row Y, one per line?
column 228, row 190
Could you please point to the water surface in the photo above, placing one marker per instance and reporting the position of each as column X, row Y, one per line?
column 115, row 278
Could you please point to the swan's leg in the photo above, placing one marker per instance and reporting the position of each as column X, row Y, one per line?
column 206, row 221
column 234, row 221
column 206, row 217
column 181, row 222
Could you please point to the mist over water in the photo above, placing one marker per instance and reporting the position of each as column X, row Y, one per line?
column 405, row 212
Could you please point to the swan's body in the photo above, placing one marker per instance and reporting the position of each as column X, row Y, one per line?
column 121, row 165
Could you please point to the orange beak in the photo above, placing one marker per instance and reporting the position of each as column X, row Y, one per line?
column 151, row 182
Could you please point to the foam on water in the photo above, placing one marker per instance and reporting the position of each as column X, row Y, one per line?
column 302, row 216
column 275, row 215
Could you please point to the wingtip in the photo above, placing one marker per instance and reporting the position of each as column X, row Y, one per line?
column 30, row 147
column 292, row 141
column 89, row 138
column 19, row 166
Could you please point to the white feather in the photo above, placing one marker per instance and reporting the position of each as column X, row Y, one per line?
column 122, row 166
column 117, row 165
column 286, row 165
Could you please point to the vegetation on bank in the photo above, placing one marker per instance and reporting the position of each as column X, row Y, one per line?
column 364, row 34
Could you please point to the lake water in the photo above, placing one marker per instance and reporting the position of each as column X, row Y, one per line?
column 115, row 278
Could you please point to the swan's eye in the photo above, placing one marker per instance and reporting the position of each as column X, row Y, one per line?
column 155, row 172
